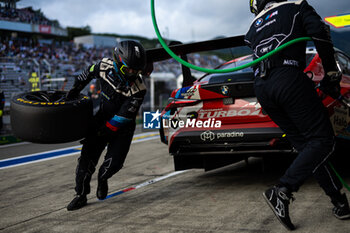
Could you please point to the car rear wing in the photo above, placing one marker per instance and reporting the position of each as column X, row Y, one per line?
column 159, row 54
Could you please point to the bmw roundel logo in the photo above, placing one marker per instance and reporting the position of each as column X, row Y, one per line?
column 258, row 22
column 224, row 90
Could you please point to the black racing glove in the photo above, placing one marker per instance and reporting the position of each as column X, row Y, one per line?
column 102, row 131
column 81, row 81
column 330, row 84
column 105, row 131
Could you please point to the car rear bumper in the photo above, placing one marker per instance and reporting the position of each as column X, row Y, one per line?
column 230, row 142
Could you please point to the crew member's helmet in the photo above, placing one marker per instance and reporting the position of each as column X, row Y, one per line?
column 256, row 6
column 130, row 59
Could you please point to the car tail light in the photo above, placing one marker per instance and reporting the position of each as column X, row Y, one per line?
column 174, row 103
column 273, row 141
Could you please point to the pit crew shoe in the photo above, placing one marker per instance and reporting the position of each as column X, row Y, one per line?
column 341, row 208
column 102, row 189
column 78, row 202
column 278, row 199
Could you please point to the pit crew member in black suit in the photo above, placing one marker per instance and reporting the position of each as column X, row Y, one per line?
column 122, row 93
column 290, row 99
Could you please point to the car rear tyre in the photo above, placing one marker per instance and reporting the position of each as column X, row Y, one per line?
column 47, row 117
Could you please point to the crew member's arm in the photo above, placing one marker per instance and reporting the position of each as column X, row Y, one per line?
column 82, row 80
column 247, row 41
column 127, row 112
column 320, row 33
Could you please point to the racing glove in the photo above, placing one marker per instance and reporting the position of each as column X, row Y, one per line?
column 79, row 85
column 330, row 84
column 104, row 131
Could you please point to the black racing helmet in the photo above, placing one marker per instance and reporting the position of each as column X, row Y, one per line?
column 256, row 6
column 130, row 58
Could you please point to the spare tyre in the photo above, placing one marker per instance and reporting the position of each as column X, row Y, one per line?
column 47, row 117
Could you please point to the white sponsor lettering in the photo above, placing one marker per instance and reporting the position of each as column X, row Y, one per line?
column 230, row 135
column 266, row 49
column 191, row 123
column 210, row 136
column 267, row 24
column 291, row 63
column 230, row 113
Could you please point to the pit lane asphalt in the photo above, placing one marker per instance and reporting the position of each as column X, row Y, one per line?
column 33, row 197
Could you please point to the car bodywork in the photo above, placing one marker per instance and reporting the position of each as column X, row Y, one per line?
column 217, row 120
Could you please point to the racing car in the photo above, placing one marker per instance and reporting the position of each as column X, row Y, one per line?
column 217, row 120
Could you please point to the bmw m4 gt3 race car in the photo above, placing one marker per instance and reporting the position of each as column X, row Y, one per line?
column 217, row 120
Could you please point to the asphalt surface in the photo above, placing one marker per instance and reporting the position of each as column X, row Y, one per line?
column 33, row 197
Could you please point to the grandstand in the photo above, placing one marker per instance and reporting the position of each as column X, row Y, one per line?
column 32, row 45
column 9, row 3
column 24, row 33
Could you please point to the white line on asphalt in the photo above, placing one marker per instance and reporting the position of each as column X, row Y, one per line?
column 49, row 155
column 149, row 182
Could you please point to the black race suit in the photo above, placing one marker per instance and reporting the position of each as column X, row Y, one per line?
column 288, row 95
column 113, row 125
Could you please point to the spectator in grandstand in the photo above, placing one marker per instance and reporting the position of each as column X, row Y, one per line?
column 26, row 15
column 122, row 90
column 21, row 81
column 67, row 59
column 1, row 75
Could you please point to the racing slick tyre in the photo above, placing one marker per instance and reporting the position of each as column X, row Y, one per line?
column 47, row 117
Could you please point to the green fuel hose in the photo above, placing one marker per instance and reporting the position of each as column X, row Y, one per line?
column 189, row 65
column 339, row 177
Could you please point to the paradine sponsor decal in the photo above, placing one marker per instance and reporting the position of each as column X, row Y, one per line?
column 233, row 134
column 210, row 136
column 207, row 135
